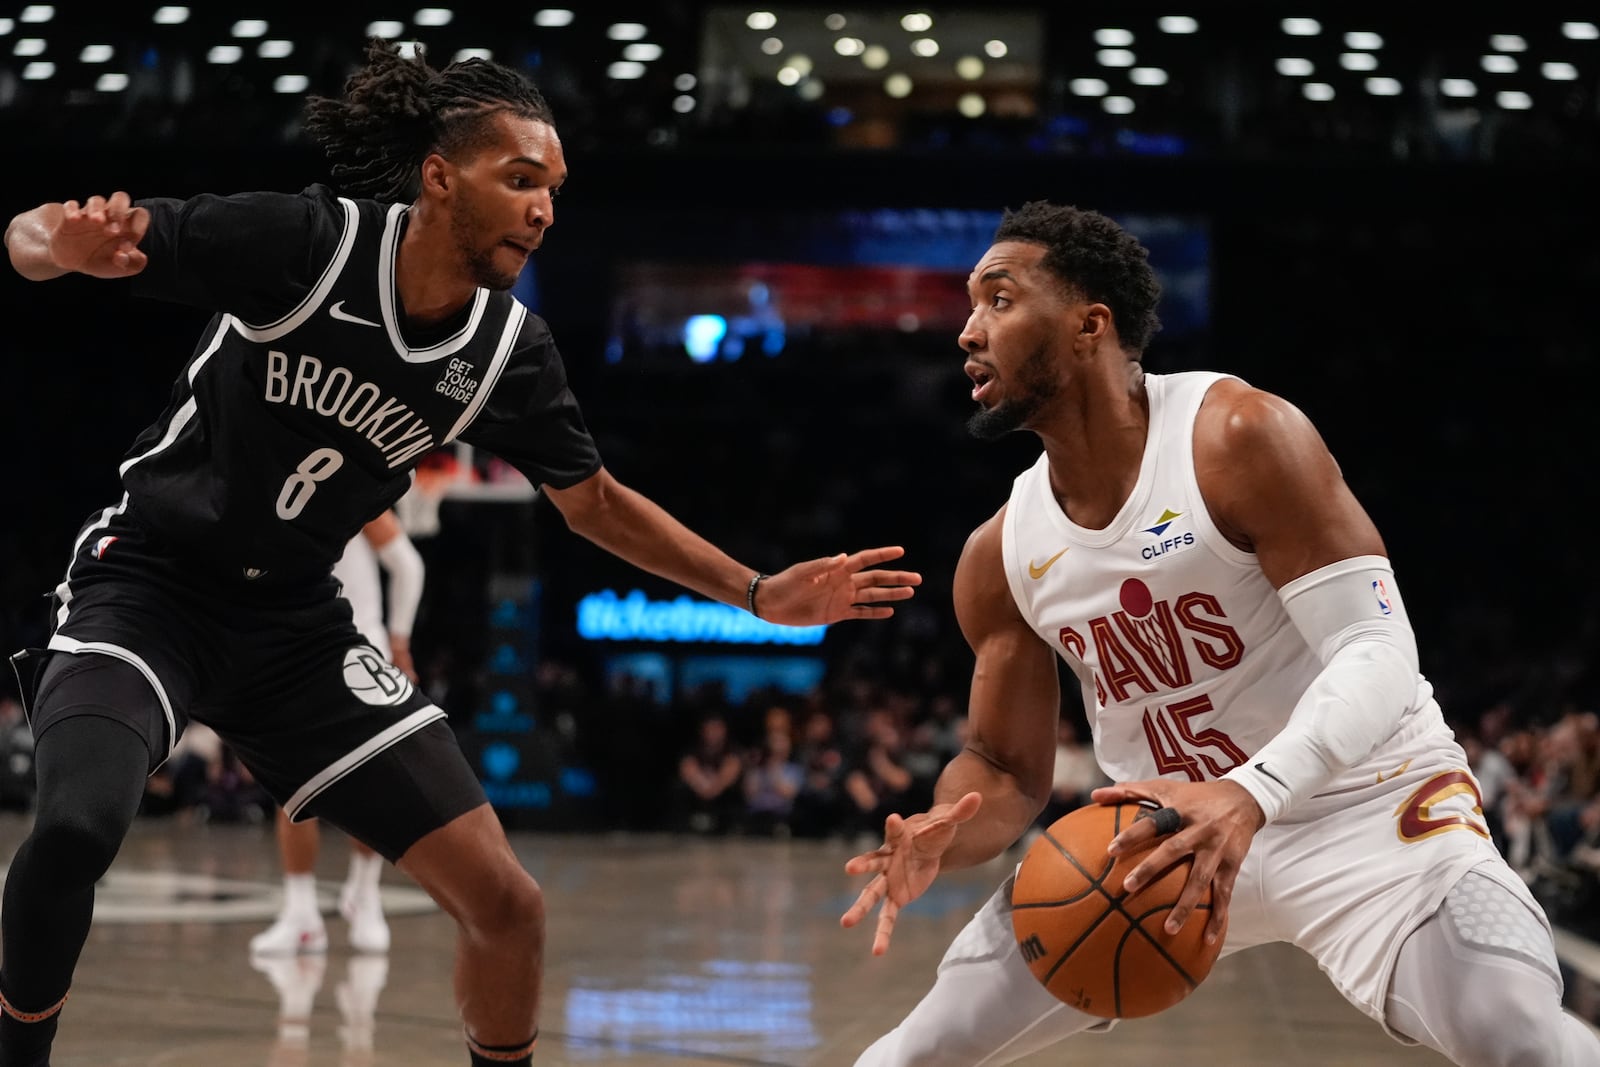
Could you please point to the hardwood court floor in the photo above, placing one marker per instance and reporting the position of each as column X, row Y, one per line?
column 662, row 950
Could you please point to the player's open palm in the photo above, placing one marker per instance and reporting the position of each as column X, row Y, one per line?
column 906, row 864
column 100, row 237
column 836, row 588
column 1216, row 823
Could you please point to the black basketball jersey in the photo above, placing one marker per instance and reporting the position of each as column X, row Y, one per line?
column 306, row 403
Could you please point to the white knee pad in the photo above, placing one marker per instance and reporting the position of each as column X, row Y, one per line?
column 1481, row 916
column 1479, row 983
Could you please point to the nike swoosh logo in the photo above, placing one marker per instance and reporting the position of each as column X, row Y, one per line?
column 1397, row 772
column 337, row 311
column 1036, row 571
column 1262, row 767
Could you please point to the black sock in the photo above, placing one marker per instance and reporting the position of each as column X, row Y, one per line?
column 27, row 1044
column 518, row 1055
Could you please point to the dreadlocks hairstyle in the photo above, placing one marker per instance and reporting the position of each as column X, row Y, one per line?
column 396, row 111
column 1095, row 257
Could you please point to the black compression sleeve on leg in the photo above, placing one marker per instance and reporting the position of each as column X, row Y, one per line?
column 91, row 775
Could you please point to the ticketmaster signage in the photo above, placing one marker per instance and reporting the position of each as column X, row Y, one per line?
column 604, row 616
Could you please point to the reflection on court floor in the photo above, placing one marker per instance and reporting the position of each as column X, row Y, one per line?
column 661, row 951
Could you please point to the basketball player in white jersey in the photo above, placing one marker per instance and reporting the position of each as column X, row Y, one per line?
column 1187, row 544
column 299, row 927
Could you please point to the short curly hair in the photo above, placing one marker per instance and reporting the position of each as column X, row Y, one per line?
column 1095, row 257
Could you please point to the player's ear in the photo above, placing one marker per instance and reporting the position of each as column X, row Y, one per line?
column 1096, row 322
column 437, row 175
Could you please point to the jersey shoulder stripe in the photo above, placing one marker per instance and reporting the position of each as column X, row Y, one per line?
column 319, row 292
column 516, row 316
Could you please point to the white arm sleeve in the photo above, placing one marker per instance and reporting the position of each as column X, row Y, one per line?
column 1351, row 615
column 401, row 559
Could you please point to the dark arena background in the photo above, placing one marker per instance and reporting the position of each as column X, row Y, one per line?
column 1384, row 213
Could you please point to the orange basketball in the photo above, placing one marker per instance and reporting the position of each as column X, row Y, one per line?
column 1091, row 944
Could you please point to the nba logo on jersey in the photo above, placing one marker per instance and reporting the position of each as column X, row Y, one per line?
column 1382, row 594
column 101, row 545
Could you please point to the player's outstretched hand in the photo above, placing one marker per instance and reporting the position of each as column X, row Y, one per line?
column 1219, row 820
column 100, row 237
column 906, row 865
column 835, row 588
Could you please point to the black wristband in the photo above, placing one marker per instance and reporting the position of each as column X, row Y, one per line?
column 750, row 592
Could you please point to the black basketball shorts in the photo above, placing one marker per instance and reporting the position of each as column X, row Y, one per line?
column 276, row 668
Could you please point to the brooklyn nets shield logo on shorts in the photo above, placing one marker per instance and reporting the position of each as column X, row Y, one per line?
column 374, row 679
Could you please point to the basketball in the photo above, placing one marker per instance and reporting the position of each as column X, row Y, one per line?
column 1091, row 944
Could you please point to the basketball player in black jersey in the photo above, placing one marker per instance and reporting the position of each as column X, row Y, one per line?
column 351, row 336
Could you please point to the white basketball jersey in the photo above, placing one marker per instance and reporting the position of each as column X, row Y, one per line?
column 1188, row 661
column 358, row 571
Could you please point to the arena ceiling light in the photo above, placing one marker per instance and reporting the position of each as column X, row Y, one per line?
column 1580, row 31
column 171, row 16
column 1177, row 24
column 6, row 26
column 1115, row 57
column 926, row 47
column 275, row 49
column 471, row 53
column 627, row 31
column 761, row 20
column 553, row 18
column 1118, row 105
column 1147, row 76
column 1383, row 86
column 1321, row 92
column 1111, row 38
column 1513, row 100
column 1088, row 86
column 433, row 16
column 642, row 51
column 38, row 71
column 1301, row 27
column 224, row 53
column 1459, row 88
column 95, row 53
column 625, row 70
column 388, row 29
column 290, row 83
column 250, row 28
column 29, row 46
column 1358, row 61
column 1508, row 42
column 112, row 81
column 1559, row 72
column 917, row 22
column 1361, row 41
column 37, row 13
column 995, row 49
column 1499, row 64
column 1294, row 67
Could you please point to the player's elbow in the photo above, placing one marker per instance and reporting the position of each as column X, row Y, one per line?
column 589, row 506
column 1374, row 681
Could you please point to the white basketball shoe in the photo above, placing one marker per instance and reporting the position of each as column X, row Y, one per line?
column 363, row 910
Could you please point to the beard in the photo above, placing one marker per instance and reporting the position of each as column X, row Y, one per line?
column 1035, row 387
column 480, row 262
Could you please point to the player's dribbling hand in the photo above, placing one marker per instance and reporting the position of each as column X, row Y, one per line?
column 836, row 588
column 1219, row 821
column 100, row 237
column 906, row 864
